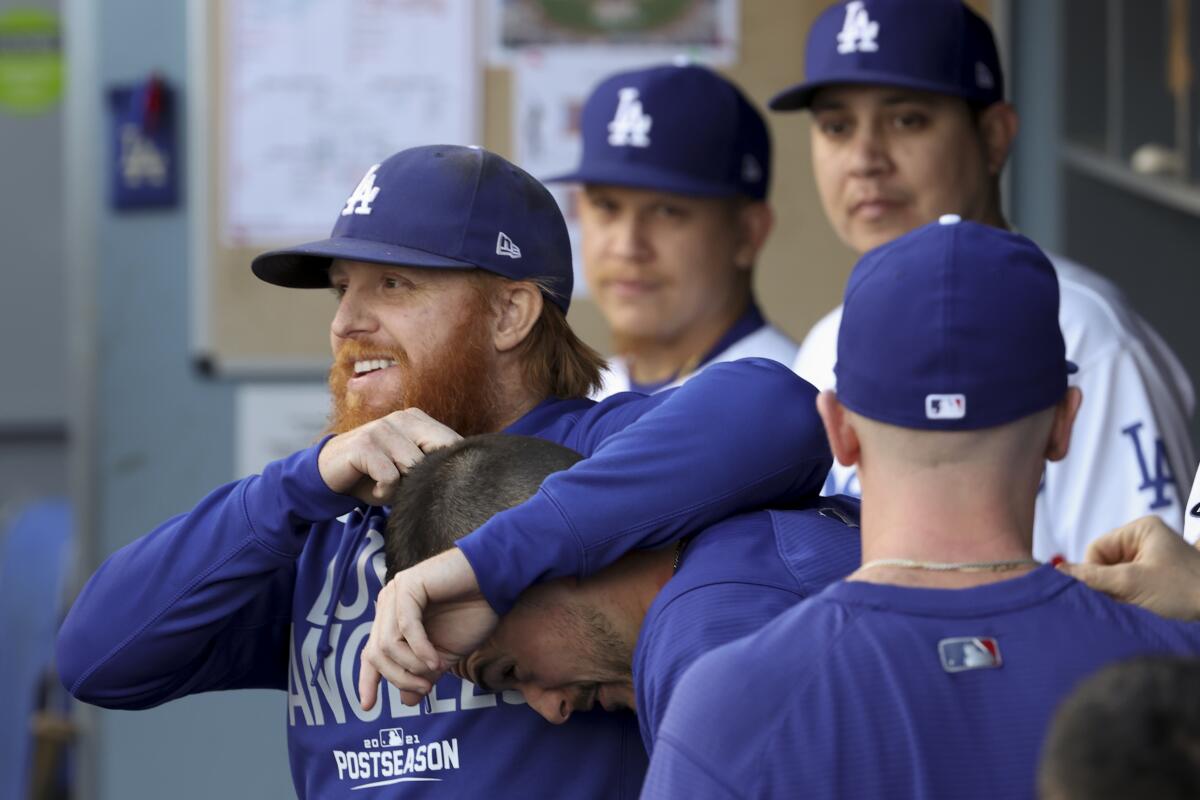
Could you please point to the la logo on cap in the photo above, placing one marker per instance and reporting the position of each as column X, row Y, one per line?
column 859, row 31
column 364, row 194
column 630, row 125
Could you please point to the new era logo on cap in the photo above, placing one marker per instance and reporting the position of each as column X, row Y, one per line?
column 983, row 76
column 945, row 406
column 858, row 32
column 506, row 247
column 630, row 125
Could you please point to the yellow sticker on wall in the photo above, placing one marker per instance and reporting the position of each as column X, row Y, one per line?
column 31, row 64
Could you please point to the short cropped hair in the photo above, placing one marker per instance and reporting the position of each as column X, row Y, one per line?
column 458, row 488
column 1130, row 730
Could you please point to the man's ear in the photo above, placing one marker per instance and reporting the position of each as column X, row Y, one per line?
column 998, row 124
column 843, row 439
column 518, row 306
column 1064, row 419
column 754, row 221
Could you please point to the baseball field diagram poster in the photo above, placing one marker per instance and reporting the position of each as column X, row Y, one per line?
column 705, row 30
column 316, row 91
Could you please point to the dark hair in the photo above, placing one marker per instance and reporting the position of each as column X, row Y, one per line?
column 1130, row 730
column 458, row 488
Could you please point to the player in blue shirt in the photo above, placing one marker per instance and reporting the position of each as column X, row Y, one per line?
column 451, row 270
column 933, row 670
column 623, row 637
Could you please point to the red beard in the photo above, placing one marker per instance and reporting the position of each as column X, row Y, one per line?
column 458, row 389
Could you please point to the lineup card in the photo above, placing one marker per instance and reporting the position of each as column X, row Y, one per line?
column 315, row 91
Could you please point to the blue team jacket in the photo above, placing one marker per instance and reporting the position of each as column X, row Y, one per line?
column 270, row 583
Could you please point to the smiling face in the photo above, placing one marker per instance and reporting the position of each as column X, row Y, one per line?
column 561, row 652
column 889, row 160
column 664, row 267
column 407, row 337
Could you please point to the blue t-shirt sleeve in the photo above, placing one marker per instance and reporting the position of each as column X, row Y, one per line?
column 739, row 435
column 703, row 747
column 203, row 601
column 690, row 626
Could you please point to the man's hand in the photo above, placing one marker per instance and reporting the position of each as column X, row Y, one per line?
column 427, row 619
column 367, row 462
column 1145, row 563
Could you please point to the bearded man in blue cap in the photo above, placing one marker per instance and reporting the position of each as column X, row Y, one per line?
column 933, row 670
column 451, row 275
column 909, row 121
column 673, row 213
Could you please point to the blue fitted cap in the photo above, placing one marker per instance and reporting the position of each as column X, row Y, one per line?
column 933, row 45
column 953, row 326
column 680, row 129
column 440, row 206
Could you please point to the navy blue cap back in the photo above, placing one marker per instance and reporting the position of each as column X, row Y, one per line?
column 682, row 129
column 953, row 326
column 440, row 206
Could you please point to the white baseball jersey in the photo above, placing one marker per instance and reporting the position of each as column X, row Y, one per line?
column 1131, row 450
column 766, row 342
column 1191, row 514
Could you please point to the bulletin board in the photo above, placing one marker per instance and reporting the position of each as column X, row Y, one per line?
column 243, row 327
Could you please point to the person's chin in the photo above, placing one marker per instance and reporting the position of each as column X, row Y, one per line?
column 614, row 698
column 865, row 235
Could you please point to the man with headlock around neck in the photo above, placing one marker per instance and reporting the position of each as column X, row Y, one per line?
column 620, row 638
column 451, row 273
column 933, row 670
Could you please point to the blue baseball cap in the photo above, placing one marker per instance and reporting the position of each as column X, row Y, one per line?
column 933, row 45
column 440, row 206
column 674, row 128
column 953, row 326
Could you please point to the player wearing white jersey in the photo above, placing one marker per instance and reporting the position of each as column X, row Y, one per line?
column 1130, row 441
column 673, row 213
column 894, row 148
column 1191, row 515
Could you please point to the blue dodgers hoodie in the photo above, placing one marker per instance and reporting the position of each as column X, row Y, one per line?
column 270, row 583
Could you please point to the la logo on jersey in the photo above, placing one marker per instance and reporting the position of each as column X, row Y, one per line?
column 945, row 406
column 1155, row 467
column 630, row 126
column 858, row 32
column 364, row 194
column 506, row 246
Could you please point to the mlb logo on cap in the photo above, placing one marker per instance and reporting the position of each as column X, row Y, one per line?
column 930, row 45
column 953, row 326
column 682, row 129
column 945, row 406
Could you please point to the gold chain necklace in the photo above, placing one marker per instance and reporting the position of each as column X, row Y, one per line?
column 952, row 566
